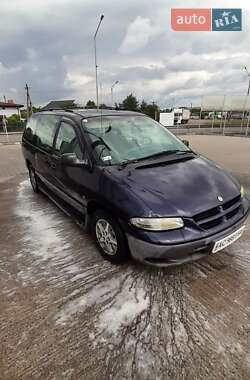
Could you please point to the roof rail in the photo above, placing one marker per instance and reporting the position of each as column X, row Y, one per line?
column 57, row 109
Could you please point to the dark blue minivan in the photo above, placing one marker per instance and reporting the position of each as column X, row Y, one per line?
column 134, row 185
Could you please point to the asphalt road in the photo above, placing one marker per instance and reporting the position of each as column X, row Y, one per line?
column 11, row 138
column 67, row 314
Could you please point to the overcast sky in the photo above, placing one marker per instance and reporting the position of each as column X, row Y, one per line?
column 49, row 45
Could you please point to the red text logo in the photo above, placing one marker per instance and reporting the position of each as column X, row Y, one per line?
column 191, row 19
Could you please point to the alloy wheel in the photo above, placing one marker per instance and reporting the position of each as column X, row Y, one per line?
column 106, row 237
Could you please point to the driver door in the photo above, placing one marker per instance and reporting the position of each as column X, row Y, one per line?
column 68, row 179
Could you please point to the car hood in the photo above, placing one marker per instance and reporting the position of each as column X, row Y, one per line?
column 182, row 188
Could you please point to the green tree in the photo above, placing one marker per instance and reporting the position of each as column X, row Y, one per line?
column 36, row 109
column 103, row 106
column 151, row 110
column 143, row 106
column 90, row 104
column 13, row 119
column 13, row 122
column 23, row 114
column 130, row 103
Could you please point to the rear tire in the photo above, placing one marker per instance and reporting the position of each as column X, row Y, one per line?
column 109, row 238
column 33, row 179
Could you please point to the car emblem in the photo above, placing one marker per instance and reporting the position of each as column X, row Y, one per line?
column 220, row 198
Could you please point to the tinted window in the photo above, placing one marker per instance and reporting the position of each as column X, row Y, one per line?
column 45, row 132
column 67, row 141
column 30, row 129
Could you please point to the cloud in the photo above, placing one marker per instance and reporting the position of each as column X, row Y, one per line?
column 49, row 45
column 5, row 70
column 75, row 80
column 138, row 35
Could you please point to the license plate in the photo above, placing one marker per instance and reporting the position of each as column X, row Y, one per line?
column 225, row 242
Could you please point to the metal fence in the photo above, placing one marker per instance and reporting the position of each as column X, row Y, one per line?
column 230, row 116
column 228, row 106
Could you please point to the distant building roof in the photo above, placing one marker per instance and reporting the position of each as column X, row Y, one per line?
column 59, row 104
column 10, row 105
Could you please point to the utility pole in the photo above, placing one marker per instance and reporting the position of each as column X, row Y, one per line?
column 96, row 67
column 248, row 74
column 28, row 102
column 245, row 102
column 112, row 93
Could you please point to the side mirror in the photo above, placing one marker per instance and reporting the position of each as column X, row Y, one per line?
column 186, row 142
column 70, row 159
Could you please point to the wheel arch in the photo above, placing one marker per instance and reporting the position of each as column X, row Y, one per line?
column 94, row 206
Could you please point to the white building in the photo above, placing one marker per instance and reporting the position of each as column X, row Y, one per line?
column 10, row 108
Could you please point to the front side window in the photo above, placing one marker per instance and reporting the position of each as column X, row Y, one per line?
column 67, row 141
column 45, row 131
column 117, row 139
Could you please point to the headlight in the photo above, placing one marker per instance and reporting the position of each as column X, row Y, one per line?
column 242, row 191
column 157, row 224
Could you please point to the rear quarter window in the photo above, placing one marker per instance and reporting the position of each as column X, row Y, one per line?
column 45, row 131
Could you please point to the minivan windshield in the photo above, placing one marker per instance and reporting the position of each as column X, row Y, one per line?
column 121, row 139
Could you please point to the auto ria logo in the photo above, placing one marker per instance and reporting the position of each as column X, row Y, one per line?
column 206, row 19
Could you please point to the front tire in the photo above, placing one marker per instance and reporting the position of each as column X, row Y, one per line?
column 33, row 180
column 109, row 238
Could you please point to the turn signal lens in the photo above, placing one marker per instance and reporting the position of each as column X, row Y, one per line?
column 242, row 191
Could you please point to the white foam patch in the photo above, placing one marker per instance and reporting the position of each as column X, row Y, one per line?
column 42, row 234
column 43, row 231
column 123, row 304
column 126, row 308
column 78, row 305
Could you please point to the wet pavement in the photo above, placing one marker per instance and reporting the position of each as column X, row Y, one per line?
column 10, row 138
column 11, row 162
column 65, row 313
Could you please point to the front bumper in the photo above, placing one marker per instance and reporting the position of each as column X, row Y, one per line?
column 176, row 254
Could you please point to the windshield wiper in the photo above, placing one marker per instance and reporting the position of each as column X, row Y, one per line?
column 155, row 155
column 166, row 153
column 127, row 162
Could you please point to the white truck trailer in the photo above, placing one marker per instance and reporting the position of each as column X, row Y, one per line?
column 176, row 117
column 167, row 119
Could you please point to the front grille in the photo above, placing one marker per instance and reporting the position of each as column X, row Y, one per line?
column 217, row 215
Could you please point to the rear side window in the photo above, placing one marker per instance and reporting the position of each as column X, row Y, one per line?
column 45, row 131
column 30, row 129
